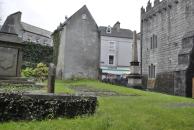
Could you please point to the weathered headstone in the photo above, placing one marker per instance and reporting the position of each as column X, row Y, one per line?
column 51, row 78
column 10, row 55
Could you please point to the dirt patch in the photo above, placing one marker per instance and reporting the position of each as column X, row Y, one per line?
column 88, row 91
column 180, row 105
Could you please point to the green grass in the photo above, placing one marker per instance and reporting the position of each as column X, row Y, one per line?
column 65, row 87
column 62, row 88
column 149, row 111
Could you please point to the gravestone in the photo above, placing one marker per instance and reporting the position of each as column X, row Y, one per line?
column 51, row 78
column 10, row 55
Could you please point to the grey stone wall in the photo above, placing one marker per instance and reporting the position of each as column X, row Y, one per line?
column 170, row 20
column 13, row 24
column 180, row 83
column 79, row 51
column 35, row 38
column 165, row 82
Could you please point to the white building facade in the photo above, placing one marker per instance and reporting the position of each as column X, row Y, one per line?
column 116, row 50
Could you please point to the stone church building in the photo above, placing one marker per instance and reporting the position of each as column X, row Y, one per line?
column 167, row 40
column 79, row 46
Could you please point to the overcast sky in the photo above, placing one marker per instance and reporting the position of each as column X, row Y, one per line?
column 48, row 14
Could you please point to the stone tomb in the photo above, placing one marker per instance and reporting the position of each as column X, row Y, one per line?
column 10, row 55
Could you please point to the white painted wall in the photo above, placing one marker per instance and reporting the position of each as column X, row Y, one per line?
column 122, row 53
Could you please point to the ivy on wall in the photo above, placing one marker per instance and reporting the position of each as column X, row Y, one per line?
column 56, row 43
column 36, row 53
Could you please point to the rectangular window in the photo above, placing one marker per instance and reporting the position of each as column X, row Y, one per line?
column 151, row 44
column 152, row 71
column 149, row 72
column 154, row 42
column 153, row 37
column 111, row 59
column 112, row 46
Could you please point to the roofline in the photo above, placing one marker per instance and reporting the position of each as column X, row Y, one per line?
column 18, row 12
column 112, row 27
column 119, row 37
column 116, row 36
column 65, row 22
column 36, row 27
column 36, row 33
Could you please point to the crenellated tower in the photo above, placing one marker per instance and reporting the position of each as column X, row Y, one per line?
column 165, row 57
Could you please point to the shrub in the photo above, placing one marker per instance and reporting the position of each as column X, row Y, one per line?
column 41, row 72
column 31, row 106
column 28, row 72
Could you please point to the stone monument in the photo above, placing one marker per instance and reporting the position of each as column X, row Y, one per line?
column 10, row 55
column 134, row 78
column 51, row 78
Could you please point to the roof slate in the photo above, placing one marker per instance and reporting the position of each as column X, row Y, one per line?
column 36, row 30
column 122, row 33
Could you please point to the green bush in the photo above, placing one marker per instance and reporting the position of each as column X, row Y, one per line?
column 28, row 72
column 40, row 73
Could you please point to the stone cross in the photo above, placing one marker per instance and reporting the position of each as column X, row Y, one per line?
column 134, row 48
column 51, row 78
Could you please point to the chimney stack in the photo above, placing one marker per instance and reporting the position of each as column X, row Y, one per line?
column 117, row 26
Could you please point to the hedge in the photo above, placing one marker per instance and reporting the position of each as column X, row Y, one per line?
column 15, row 106
column 36, row 53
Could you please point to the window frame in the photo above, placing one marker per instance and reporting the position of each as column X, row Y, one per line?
column 153, row 41
column 152, row 71
column 109, row 60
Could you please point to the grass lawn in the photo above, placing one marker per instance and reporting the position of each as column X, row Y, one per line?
column 145, row 111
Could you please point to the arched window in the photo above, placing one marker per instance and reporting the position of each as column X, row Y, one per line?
column 152, row 71
column 153, row 41
column 108, row 29
column 84, row 16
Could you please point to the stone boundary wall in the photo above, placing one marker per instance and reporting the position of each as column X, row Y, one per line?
column 15, row 106
column 164, row 82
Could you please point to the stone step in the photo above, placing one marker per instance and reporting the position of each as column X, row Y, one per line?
column 17, row 82
column 14, row 78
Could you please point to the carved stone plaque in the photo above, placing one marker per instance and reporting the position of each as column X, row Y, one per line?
column 8, row 61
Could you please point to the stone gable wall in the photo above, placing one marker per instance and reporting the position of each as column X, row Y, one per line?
column 79, row 52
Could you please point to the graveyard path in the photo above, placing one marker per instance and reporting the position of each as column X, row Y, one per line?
column 89, row 91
